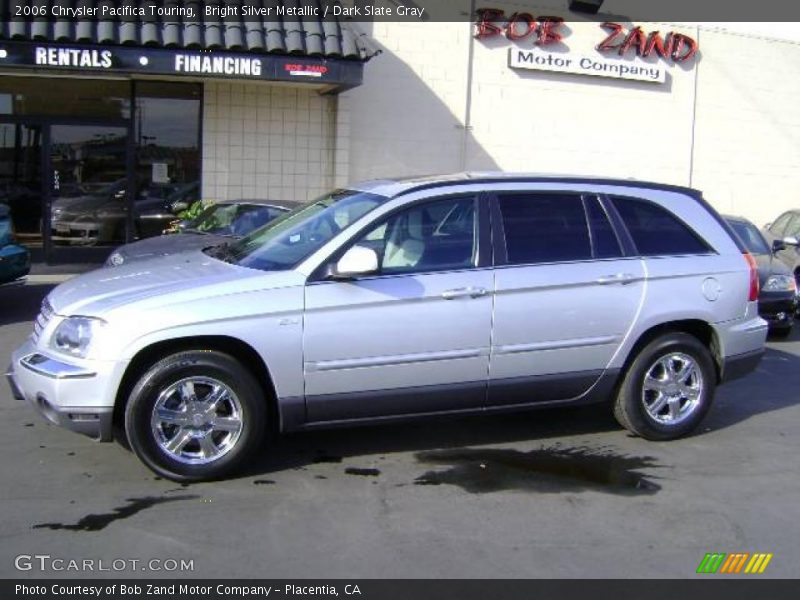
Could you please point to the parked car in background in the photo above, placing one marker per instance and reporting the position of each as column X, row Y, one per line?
column 777, row 299
column 216, row 224
column 786, row 228
column 24, row 201
column 15, row 260
column 405, row 299
column 100, row 217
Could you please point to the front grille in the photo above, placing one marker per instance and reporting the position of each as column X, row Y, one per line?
column 42, row 319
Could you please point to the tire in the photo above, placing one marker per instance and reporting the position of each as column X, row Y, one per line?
column 669, row 404
column 196, row 415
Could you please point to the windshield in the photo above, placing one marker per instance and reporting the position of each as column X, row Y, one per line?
column 233, row 219
column 751, row 237
column 293, row 237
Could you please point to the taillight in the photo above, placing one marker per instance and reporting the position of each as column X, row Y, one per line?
column 751, row 262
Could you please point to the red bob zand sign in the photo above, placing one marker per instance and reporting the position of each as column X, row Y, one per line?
column 544, row 30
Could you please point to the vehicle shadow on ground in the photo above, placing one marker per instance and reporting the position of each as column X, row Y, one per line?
column 298, row 450
column 20, row 302
column 736, row 401
column 758, row 392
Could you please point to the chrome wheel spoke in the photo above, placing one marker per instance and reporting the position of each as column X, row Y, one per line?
column 210, row 402
column 654, row 384
column 674, row 405
column 187, row 392
column 685, row 372
column 176, row 443
column 173, row 417
column 660, row 401
column 231, row 424
column 207, row 446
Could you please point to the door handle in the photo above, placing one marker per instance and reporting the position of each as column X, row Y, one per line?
column 620, row 278
column 467, row 292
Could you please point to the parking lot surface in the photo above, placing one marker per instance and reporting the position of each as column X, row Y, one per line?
column 552, row 493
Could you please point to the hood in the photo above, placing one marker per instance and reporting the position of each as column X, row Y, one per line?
column 164, row 245
column 87, row 204
column 769, row 265
column 161, row 282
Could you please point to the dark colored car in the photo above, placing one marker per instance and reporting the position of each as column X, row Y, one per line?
column 24, row 203
column 216, row 224
column 15, row 260
column 786, row 229
column 777, row 300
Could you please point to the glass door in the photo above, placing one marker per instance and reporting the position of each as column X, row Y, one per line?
column 21, row 182
column 89, row 189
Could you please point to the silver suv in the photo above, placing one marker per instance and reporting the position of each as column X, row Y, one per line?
column 472, row 293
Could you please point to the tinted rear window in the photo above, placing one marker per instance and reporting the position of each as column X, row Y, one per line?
column 656, row 231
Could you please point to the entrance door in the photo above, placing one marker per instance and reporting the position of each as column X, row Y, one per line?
column 20, row 180
column 89, row 190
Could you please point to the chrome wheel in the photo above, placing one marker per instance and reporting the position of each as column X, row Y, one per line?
column 673, row 388
column 196, row 420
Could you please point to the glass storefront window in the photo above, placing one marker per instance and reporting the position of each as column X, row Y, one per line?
column 65, row 97
column 167, row 134
column 82, row 166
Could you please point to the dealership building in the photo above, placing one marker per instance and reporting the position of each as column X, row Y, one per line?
column 115, row 121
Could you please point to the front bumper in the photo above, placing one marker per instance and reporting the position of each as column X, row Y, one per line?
column 45, row 383
column 778, row 309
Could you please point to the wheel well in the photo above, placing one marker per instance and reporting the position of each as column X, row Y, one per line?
column 149, row 355
column 694, row 327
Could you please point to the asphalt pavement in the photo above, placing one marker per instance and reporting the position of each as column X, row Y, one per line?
column 555, row 493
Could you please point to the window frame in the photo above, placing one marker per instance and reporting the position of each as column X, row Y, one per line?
column 612, row 208
column 484, row 257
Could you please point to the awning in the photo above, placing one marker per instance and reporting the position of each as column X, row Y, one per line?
column 304, row 49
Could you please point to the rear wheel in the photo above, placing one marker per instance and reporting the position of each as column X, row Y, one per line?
column 668, row 388
column 195, row 415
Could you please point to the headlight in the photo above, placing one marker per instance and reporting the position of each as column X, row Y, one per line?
column 115, row 260
column 74, row 335
column 780, row 283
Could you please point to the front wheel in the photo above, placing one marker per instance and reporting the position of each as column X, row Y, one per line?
column 668, row 388
column 195, row 416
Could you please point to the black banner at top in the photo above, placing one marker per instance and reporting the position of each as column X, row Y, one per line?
column 232, row 11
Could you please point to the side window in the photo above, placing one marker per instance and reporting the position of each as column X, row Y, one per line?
column 779, row 226
column 544, row 227
column 435, row 236
column 793, row 228
column 604, row 239
column 655, row 231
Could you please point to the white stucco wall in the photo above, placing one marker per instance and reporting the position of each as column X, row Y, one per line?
column 267, row 141
column 726, row 122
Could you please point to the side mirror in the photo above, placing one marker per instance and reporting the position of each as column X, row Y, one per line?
column 778, row 245
column 179, row 206
column 357, row 261
column 791, row 241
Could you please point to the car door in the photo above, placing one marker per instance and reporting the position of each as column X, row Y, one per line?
column 413, row 337
column 565, row 295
